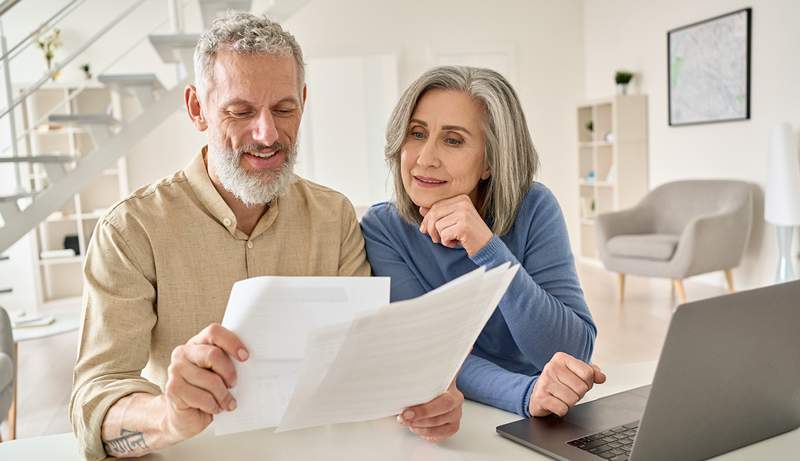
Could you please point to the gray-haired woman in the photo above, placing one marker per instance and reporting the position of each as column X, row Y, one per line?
column 465, row 196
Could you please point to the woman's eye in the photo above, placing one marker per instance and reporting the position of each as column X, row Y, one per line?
column 453, row 141
column 417, row 135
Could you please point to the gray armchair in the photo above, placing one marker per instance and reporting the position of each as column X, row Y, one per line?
column 678, row 230
column 7, row 367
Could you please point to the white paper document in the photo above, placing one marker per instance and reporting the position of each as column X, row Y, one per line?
column 396, row 356
column 273, row 316
column 372, row 361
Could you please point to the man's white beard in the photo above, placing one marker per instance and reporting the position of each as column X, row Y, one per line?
column 251, row 188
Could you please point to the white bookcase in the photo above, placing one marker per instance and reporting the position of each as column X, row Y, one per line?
column 58, row 278
column 612, row 160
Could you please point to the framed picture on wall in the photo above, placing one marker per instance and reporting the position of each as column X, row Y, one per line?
column 709, row 70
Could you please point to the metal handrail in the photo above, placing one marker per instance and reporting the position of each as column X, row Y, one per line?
column 79, row 89
column 136, row 4
column 5, row 6
column 51, row 22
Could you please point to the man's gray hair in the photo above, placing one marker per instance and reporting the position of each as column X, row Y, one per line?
column 243, row 33
column 512, row 159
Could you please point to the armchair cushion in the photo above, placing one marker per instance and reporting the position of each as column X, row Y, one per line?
column 659, row 247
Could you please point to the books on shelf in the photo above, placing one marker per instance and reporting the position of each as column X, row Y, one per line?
column 54, row 254
column 31, row 321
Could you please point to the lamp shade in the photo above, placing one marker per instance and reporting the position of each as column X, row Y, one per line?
column 782, row 195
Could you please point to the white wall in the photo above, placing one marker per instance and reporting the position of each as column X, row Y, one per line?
column 542, row 38
column 631, row 34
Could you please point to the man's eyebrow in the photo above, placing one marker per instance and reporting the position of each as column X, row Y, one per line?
column 234, row 101
column 239, row 100
column 291, row 99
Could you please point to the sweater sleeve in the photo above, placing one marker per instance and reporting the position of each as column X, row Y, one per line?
column 544, row 306
column 484, row 381
column 386, row 261
column 479, row 379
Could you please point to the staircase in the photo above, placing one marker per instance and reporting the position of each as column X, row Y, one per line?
column 66, row 175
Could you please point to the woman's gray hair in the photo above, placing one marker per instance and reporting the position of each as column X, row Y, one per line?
column 243, row 33
column 512, row 159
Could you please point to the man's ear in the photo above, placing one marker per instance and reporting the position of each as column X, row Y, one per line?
column 305, row 95
column 194, row 109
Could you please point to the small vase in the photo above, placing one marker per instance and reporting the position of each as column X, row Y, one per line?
column 53, row 74
column 622, row 88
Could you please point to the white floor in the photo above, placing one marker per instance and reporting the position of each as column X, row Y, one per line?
column 631, row 332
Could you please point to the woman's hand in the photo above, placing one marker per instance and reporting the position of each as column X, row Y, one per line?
column 454, row 223
column 438, row 419
column 563, row 382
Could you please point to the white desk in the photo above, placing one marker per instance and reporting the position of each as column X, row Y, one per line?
column 65, row 320
column 383, row 439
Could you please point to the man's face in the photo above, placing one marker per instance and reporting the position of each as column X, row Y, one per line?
column 252, row 108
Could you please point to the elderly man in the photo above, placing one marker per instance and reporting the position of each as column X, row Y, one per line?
column 154, row 366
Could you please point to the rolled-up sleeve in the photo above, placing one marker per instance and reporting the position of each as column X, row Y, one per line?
column 118, row 317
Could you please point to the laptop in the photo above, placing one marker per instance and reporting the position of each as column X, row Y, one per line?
column 728, row 376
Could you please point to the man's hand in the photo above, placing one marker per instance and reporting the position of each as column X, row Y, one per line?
column 454, row 223
column 436, row 420
column 564, row 381
column 199, row 377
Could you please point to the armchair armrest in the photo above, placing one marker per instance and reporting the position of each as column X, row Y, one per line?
column 713, row 242
column 630, row 221
column 6, row 375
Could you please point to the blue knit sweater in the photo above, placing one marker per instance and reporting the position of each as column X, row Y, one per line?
column 543, row 311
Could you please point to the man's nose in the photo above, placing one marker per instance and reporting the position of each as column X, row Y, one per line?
column 264, row 130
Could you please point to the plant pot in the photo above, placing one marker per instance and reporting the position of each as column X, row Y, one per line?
column 622, row 88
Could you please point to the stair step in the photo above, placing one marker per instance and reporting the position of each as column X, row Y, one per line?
column 209, row 9
column 82, row 119
column 128, row 80
column 40, row 159
column 15, row 197
column 170, row 46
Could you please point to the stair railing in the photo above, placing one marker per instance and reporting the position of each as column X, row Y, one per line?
column 78, row 89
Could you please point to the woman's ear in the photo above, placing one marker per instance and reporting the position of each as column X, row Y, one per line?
column 487, row 173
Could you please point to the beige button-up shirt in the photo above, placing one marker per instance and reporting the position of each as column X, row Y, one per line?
column 160, row 267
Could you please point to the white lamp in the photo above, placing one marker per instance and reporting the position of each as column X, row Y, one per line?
column 782, row 196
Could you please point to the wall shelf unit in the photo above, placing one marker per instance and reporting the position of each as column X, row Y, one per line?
column 58, row 275
column 612, row 160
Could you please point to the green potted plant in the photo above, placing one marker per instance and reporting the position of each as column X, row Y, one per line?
column 87, row 71
column 622, row 78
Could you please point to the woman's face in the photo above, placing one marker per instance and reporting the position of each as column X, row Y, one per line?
column 443, row 154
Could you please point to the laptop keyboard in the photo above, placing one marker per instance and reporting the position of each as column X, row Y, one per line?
column 614, row 444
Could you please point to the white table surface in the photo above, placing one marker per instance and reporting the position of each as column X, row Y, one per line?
column 66, row 320
column 383, row 439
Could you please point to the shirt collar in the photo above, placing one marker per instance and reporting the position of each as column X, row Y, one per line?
column 199, row 180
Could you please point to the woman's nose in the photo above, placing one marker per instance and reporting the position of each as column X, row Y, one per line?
column 427, row 155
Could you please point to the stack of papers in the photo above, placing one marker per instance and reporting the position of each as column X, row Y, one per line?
column 383, row 359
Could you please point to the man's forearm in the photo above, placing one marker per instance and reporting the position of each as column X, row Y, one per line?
column 135, row 426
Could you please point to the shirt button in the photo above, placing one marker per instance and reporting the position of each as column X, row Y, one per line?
column 227, row 222
column 249, row 244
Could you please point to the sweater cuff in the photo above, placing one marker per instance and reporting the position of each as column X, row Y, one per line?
column 494, row 254
column 526, row 401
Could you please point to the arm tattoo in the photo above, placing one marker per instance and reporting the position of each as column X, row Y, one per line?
column 127, row 442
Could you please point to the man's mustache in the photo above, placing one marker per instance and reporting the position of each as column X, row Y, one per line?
column 276, row 146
